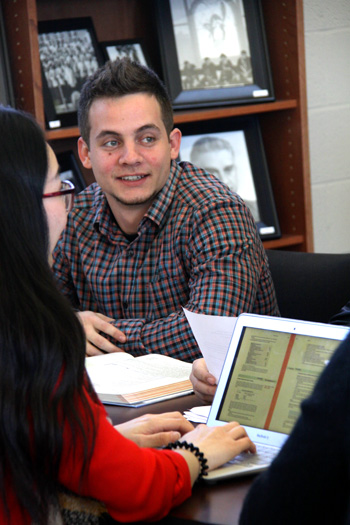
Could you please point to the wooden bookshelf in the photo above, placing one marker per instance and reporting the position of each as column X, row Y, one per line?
column 283, row 122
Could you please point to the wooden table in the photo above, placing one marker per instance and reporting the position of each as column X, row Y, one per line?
column 218, row 503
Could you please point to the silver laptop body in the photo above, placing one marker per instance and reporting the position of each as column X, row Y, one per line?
column 271, row 366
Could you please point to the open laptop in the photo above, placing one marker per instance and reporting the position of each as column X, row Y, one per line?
column 271, row 366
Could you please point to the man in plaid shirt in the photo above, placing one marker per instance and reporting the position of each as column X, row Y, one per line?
column 152, row 235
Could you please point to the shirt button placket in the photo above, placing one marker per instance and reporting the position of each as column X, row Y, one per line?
column 129, row 255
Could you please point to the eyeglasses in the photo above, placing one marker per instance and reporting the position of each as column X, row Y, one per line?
column 67, row 191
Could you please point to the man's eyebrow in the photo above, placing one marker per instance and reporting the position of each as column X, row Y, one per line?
column 106, row 132
column 145, row 127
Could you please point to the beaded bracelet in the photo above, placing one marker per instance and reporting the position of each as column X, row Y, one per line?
column 195, row 450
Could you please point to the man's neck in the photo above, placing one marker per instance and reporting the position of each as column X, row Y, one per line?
column 127, row 217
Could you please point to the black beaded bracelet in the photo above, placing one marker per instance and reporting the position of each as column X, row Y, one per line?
column 195, row 450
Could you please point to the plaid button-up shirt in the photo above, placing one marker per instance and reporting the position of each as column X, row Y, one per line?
column 197, row 246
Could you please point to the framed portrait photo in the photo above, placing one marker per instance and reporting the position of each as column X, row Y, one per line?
column 7, row 97
column 70, row 170
column 214, row 52
column 232, row 150
column 131, row 48
column 69, row 54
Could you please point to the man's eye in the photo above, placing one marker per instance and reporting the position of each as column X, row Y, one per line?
column 148, row 140
column 111, row 143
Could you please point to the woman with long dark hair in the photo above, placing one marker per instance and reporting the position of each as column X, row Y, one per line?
column 53, row 431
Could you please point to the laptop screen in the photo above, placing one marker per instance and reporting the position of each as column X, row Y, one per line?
column 271, row 374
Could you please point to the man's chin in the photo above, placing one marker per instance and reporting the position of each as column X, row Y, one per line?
column 136, row 201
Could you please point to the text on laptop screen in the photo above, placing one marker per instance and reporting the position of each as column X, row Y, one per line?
column 271, row 374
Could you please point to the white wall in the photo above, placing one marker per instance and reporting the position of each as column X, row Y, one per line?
column 327, row 44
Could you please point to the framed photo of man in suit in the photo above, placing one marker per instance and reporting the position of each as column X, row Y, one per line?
column 232, row 150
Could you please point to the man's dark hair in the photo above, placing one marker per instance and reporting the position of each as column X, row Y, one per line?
column 116, row 79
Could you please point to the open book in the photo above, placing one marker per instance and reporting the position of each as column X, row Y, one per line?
column 121, row 379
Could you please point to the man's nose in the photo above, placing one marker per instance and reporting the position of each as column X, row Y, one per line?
column 130, row 154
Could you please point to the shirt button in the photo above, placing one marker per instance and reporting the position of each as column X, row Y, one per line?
column 130, row 253
column 125, row 305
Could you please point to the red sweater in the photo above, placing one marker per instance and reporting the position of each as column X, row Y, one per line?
column 134, row 483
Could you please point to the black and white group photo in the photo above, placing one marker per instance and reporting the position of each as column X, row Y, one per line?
column 67, row 59
column 212, row 43
column 130, row 50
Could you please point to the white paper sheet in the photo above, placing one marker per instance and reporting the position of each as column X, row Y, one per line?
column 213, row 335
column 198, row 414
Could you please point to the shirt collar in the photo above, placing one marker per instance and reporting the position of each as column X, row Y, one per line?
column 157, row 212
column 103, row 219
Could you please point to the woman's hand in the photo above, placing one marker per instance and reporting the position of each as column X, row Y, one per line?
column 155, row 430
column 218, row 444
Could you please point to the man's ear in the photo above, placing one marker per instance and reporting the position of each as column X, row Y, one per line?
column 175, row 141
column 84, row 154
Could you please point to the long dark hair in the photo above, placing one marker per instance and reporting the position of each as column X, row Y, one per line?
column 42, row 344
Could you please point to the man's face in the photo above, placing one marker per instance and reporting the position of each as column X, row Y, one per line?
column 219, row 162
column 129, row 151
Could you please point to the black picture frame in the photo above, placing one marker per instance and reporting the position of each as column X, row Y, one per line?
column 239, row 161
column 7, row 97
column 133, row 48
column 70, row 170
column 214, row 55
column 69, row 54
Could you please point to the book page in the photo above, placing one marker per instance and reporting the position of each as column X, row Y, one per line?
column 105, row 359
column 163, row 366
column 124, row 376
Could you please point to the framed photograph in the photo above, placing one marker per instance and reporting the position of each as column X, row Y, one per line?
column 69, row 54
column 214, row 52
column 70, row 170
column 7, row 97
column 232, row 150
column 131, row 48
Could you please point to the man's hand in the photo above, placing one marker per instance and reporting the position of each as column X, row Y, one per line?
column 155, row 430
column 204, row 383
column 94, row 324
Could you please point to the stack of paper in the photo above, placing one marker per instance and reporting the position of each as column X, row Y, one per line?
column 198, row 414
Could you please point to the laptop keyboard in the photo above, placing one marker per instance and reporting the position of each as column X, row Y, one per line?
column 264, row 454
column 244, row 463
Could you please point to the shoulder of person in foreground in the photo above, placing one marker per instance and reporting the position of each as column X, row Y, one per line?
column 342, row 317
column 309, row 481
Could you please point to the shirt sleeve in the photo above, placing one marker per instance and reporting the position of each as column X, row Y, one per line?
column 134, row 483
column 309, row 481
column 227, row 274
